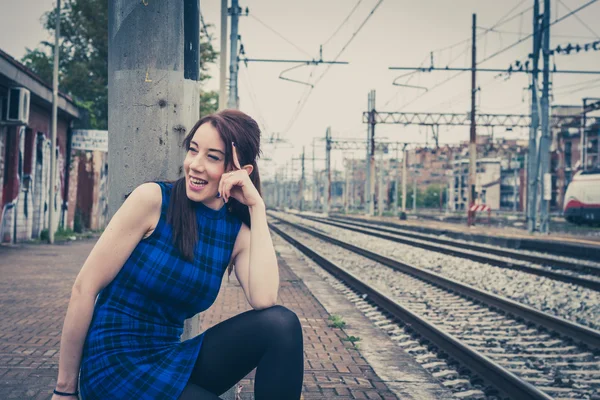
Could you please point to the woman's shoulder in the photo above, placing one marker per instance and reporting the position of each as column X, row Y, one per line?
column 148, row 195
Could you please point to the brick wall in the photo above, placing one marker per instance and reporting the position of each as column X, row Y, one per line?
column 100, row 206
column 24, row 203
column 33, row 146
column 73, row 188
column 90, row 194
column 2, row 140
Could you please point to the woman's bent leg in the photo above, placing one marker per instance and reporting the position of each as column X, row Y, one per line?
column 195, row 392
column 269, row 340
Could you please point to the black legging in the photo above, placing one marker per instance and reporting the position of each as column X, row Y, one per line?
column 269, row 340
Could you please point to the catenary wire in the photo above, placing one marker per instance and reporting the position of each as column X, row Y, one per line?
column 495, row 54
column 501, row 21
column 343, row 22
column 531, row 34
column 279, row 34
column 580, row 20
column 305, row 100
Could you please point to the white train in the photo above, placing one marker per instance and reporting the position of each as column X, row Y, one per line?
column 582, row 199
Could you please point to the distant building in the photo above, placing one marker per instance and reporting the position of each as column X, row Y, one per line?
column 428, row 165
column 500, row 178
column 487, row 187
column 25, row 145
column 567, row 150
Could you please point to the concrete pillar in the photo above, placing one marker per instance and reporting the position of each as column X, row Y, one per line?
column 154, row 92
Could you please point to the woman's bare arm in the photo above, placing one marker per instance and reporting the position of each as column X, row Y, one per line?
column 255, row 261
column 137, row 216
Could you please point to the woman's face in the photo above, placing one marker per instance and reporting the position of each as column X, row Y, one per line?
column 203, row 166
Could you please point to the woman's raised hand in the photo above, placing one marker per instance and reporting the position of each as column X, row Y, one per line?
column 237, row 184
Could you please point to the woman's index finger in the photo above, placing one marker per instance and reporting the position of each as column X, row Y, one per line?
column 236, row 161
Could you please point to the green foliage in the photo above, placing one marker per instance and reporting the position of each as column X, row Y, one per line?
column 208, row 55
column 337, row 321
column 209, row 103
column 428, row 197
column 83, row 58
column 78, row 225
column 44, row 235
column 352, row 339
column 62, row 235
column 209, row 100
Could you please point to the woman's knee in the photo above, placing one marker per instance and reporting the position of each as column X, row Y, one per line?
column 281, row 320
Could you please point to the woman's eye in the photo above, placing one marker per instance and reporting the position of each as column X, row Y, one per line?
column 213, row 157
column 192, row 150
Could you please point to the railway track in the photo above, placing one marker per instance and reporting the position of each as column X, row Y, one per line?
column 579, row 273
column 524, row 353
column 580, row 250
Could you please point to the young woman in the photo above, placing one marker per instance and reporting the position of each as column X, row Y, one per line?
column 161, row 260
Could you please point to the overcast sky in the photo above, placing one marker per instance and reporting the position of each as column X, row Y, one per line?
column 398, row 33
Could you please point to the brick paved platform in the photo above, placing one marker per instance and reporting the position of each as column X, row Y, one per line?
column 35, row 289
column 334, row 368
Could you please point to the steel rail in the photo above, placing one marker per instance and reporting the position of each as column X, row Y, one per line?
column 554, row 247
column 507, row 252
column 456, row 251
column 578, row 333
column 499, row 377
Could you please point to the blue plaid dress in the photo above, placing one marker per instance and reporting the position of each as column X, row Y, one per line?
column 133, row 348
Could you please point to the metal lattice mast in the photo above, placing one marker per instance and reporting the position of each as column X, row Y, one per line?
column 546, row 176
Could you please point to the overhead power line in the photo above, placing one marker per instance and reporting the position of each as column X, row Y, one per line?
column 351, row 39
column 520, row 33
column 279, row 34
column 496, row 54
column 305, row 98
column 343, row 22
column 579, row 19
column 501, row 21
column 531, row 34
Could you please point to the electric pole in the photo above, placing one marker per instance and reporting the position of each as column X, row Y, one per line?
column 404, row 177
column 346, row 186
column 414, row 176
column 546, row 175
column 235, row 12
column 223, row 58
column 302, row 180
column 327, row 171
column 352, row 191
column 51, row 216
column 370, row 187
column 473, row 136
column 380, row 191
column 153, row 86
column 532, row 167
column 315, row 185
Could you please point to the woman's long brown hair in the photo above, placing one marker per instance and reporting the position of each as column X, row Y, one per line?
column 233, row 126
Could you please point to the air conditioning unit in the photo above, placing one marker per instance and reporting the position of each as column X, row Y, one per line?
column 17, row 108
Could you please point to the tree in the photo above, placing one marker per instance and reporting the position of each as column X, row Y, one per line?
column 83, row 61
column 429, row 197
column 83, row 58
column 209, row 100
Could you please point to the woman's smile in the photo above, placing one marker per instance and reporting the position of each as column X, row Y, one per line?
column 197, row 184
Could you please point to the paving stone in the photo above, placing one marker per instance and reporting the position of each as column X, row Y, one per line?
column 35, row 290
